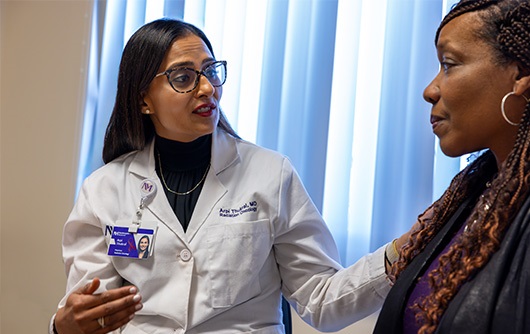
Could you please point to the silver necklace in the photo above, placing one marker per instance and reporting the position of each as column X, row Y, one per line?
column 176, row 192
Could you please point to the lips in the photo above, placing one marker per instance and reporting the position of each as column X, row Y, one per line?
column 205, row 110
column 435, row 121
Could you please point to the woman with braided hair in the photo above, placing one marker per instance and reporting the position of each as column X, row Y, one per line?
column 467, row 268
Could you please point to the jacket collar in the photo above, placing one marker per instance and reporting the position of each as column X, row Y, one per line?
column 224, row 154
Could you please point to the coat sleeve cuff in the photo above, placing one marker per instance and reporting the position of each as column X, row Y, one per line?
column 51, row 329
column 378, row 271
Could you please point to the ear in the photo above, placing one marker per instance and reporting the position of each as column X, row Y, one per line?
column 145, row 103
column 522, row 86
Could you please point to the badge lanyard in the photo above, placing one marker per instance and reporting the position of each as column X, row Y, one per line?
column 147, row 192
column 136, row 238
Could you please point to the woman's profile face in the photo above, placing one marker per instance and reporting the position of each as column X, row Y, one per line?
column 466, row 94
column 144, row 244
column 184, row 117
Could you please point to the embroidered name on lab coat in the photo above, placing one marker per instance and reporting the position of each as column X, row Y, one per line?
column 251, row 206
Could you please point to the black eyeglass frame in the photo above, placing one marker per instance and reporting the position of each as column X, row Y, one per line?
column 197, row 79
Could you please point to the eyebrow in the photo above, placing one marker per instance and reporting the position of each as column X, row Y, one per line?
column 442, row 43
column 447, row 46
column 190, row 63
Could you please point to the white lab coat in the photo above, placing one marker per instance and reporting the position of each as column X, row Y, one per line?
column 225, row 273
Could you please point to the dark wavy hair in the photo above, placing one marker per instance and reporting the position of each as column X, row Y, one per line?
column 128, row 129
column 506, row 28
column 146, row 255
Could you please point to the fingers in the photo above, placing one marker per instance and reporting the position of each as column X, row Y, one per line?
column 110, row 296
column 118, row 308
column 114, row 314
column 82, row 310
column 90, row 288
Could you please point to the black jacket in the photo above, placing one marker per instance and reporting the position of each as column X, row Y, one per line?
column 495, row 301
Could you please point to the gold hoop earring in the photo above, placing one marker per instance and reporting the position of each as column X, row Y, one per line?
column 504, row 112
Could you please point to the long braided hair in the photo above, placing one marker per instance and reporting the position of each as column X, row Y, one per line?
column 506, row 27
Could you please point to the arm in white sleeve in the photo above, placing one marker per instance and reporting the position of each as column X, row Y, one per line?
column 51, row 326
column 326, row 295
column 346, row 296
column 85, row 249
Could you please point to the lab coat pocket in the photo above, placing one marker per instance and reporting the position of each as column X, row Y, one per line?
column 236, row 253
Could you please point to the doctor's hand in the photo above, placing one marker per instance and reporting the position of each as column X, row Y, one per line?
column 85, row 312
column 398, row 243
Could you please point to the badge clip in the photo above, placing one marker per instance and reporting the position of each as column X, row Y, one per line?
column 147, row 193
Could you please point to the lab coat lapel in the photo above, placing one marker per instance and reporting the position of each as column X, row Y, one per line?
column 211, row 193
column 162, row 210
column 144, row 167
column 224, row 154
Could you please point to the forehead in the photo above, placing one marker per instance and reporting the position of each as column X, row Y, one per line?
column 463, row 30
column 190, row 48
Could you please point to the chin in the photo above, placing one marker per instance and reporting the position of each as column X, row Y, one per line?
column 452, row 152
column 211, row 128
column 207, row 132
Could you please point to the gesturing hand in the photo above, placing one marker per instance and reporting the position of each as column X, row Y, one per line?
column 85, row 312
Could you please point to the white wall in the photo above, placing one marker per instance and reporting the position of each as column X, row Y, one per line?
column 44, row 47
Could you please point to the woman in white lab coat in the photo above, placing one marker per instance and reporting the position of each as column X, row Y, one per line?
column 231, row 226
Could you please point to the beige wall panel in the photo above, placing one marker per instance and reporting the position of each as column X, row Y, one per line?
column 43, row 62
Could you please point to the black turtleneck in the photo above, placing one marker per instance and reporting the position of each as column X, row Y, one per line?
column 183, row 166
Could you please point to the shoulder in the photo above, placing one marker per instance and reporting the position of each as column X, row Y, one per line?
column 246, row 147
column 113, row 171
column 235, row 152
column 256, row 156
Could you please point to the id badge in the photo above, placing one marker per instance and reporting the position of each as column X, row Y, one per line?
column 124, row 242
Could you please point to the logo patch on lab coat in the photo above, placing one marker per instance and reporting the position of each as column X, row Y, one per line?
column 251, row 206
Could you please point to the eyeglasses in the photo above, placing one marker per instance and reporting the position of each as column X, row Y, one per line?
column 184, row 80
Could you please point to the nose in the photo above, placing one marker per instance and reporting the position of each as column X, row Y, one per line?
column 431, row 93
column 204, row 88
